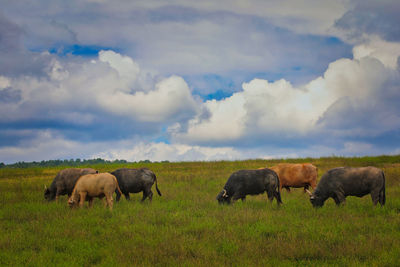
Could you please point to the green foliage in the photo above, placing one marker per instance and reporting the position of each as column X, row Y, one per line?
column 64, row 163
column 187, row 227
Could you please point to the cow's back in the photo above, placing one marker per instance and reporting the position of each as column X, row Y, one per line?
column 289, row 174
column 296, row 175
column 359, row 181
column 68, row 177
column 134, row 180
column 65, row 180
column 96, row 184
column 251, row 181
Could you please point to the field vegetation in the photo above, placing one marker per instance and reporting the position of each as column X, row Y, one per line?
column 186, row 226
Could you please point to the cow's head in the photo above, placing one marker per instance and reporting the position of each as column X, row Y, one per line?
column 223, row 197
column 73, row 200
column 315, row 199
column 48, row 195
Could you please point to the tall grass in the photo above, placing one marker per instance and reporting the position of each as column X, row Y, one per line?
column 187, row 227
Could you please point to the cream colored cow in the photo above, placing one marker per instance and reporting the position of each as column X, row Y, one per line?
column 94, row 185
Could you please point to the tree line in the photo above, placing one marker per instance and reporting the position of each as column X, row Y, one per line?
column 60, row 162
column 71, row 163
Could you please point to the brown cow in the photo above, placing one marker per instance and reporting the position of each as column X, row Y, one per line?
column 94, row 185
column 296, row 175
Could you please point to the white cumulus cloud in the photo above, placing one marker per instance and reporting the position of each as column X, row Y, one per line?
column 110, row 84
column 350, row 92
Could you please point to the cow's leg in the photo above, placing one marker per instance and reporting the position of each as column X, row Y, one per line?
column 339, row 198
column 118, row 195
column 104, row 201
column 270, row 194
column 127, row 196
column 109, row 200
column 382, row 197
column 90, row 202
column 335, row 198
column 58, row 193
column 144, row 195
column 243, row 198
column 236, row 196
column 287, row 189
column 82, row 196
column 150, row 195
column 147, row 194
column 375, row 196
column 277, row 196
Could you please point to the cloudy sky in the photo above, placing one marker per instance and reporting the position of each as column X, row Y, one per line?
column 198, row 80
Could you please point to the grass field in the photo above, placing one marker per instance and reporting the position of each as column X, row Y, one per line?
column 186, row 226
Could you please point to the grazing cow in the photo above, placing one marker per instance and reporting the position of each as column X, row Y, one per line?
column 64, row 182
column 250, row 182
column 94, row 185
column 296, row 175
column 135, row 181
column 345, row 181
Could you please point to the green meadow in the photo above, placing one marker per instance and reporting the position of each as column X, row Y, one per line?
column 187, row 227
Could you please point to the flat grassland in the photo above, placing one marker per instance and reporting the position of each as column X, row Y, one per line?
column 186, row 226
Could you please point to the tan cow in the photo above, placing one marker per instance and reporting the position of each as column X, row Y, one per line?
column 94, row 185
column 296, row 175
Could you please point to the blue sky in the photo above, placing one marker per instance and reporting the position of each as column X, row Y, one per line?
column 188, row 80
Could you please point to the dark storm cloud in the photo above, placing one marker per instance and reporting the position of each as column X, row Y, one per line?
column 102, row 129
column 10, row 35
column 373, row 17
column 15, row 60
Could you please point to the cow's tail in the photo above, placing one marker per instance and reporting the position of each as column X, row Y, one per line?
column 158, row 190
column 277, row 193
column 119, row 189
column 382, row 193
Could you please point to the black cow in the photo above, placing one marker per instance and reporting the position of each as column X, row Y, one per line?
column 345, row 181
column 250, row 182
column 135, row 181
column 64, row 182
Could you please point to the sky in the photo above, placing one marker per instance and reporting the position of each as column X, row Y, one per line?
column 183, row 80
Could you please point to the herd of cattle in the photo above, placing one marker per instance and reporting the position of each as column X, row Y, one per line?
column 85, row 184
